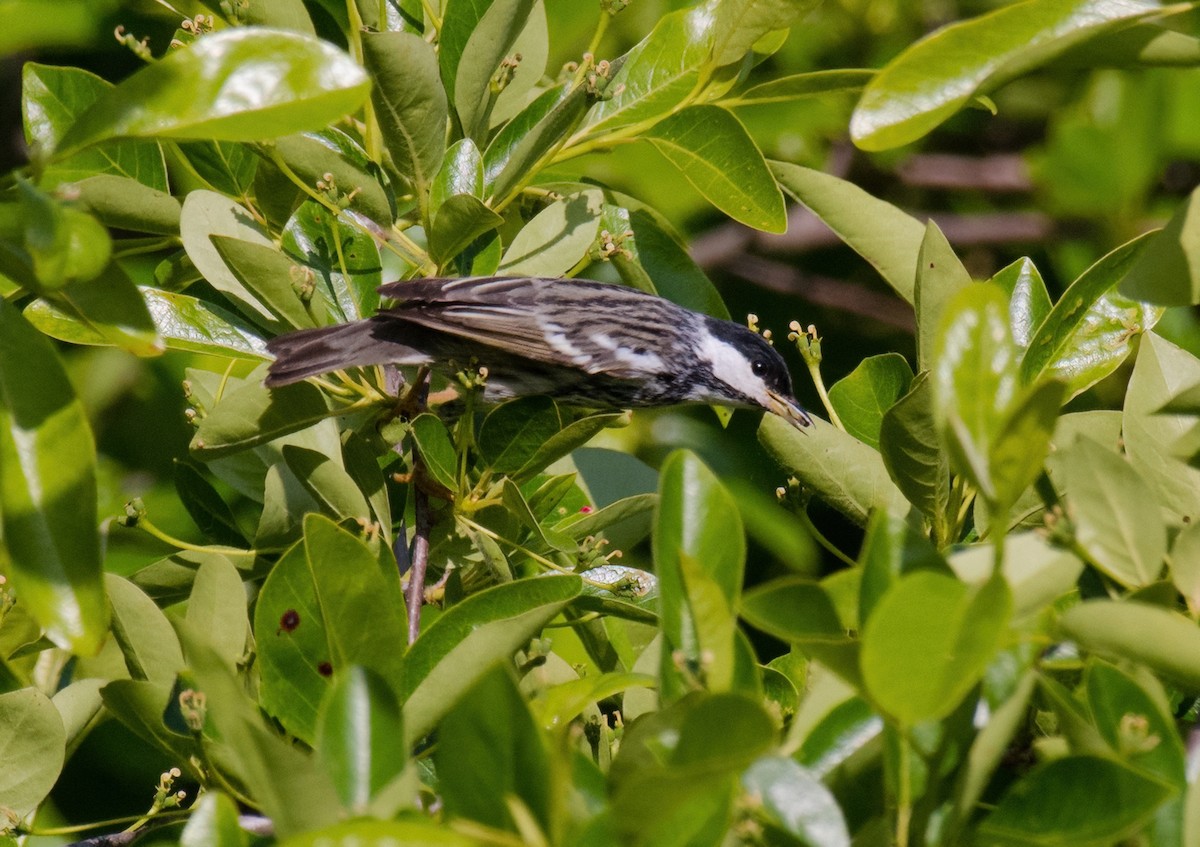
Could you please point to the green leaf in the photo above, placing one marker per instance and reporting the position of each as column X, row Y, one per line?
column 929, row 641
column 1185, row 564
column 436, row 450
column 217, row 608
column 147, row 641
column 1112, row 696
column 343, row 255
column 491, row 40
column 410, row 104
column 566, row 440
column 1117, row 517
column 879, row 232
column 1162, row 372
column 109, row 310
column 208, row 511
column 227, row 167
column 791, row 798
column 313, row 155
column 991, row 745
column 1019, row 451
column 360, row 738
column 557, row 706
column 557, row 237
column 32, row 747
column 819, row 457
column 326, row 605
column 123, row 203
column 712, row 149
column 490, row 751
column 52, row 98
column 1166, row 642
column 251, row 414
column 1087, row 801
column 915, row 458
column 862, row 397
column 461, row 173
column 285, row 782
column 205, row 214
column 513, row 432
column 940, row 276
column 458, row 221
column 48, row 490
column 182, row 321
column 943, row 72
column 794, row 609
column 328, row 483
column 1167, row 271
column 213, row 822
column 415, row 832
column 787, row 89
column 974, row 379
column 1092, row 328
column 48, row 23
column 468, row 640
column 140, row 706
column 1028, row 300
column 269, row 275
column 286, row 82
column 539, row 128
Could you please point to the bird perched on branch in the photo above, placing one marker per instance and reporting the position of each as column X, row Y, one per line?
column 584, row 343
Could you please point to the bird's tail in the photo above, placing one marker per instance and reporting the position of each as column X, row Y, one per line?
column 309, row 352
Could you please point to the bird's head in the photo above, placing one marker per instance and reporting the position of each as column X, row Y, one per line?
column 747, row 371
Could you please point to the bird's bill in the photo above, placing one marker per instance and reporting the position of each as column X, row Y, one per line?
column 788, row 409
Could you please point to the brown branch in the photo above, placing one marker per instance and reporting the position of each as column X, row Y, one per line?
column 1004, row 173
column 414, row 595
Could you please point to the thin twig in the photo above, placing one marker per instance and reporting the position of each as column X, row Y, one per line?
column 419, row 555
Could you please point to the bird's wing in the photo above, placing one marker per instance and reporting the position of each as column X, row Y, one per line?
column 562, row 322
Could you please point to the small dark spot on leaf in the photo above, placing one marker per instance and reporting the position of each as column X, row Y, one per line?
column 288, row 621
column 325, row 669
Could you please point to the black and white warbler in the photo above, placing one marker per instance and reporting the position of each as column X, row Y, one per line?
column 584, row 343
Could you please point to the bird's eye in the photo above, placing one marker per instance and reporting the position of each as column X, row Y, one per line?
column 759, row 367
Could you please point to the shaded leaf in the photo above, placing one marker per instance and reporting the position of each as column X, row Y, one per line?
column 862, row 397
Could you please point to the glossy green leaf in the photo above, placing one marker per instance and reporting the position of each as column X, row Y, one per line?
column 794, row 609
column 787, row 89
column 285, row 782
column 712, row 149
column 226, row 166
column 1018, row 452
column 239, row 84
column 914, row 456
column 1091, row 328
column 213, row 823
column 1028, row 300
column 461, row 173
column 490, row 750
column 566, row 440
column 108, row 311
column 513, row 432
column 974, row 379
column 490, row 42
column 342, row 254
column 123, row 203
column 436, row 450
column 48, row 490
column 182, row 321
column 458, row 221
column 217, row 608
column 32, row 746
column 928, row 642
column 862, row 397
column 791, row 798
column 940, row 276
column 556, row 238
column 147, row 641
column 252, row 414
column 327, row 604
column 1079, row 800
column 410, row 104
column 821, row 456
column 1116, row 515
column 941, row 73
column 1162, row 372
column 879, row 232
column 740, row 24
column 699, row 555
column 360, row 738
column 539, row 128
column 659, row 72
column 337, row 159
column 52, row 98
column 1166, row 642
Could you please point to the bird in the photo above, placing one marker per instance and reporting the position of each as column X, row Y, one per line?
column 581, row 342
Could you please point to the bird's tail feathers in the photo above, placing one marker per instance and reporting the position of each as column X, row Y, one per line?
column 310, row 352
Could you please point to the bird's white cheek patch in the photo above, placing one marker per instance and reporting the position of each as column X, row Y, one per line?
column 732, row 368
